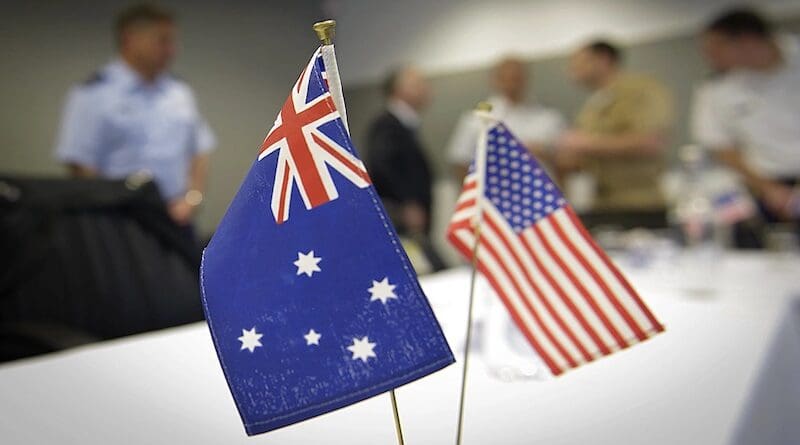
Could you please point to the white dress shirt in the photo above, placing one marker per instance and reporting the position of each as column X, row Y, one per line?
column 756, row 112
column 404, row 113
column 531, row 123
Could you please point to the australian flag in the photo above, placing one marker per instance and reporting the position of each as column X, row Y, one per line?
column 311, row 301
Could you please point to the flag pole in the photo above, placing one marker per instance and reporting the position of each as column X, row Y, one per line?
column 325, row 31
column 482, row 112
column 397, row 427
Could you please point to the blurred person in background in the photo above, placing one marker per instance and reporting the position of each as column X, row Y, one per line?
column 396, row 158
column 538, row 126
column 620, row 134
column 748, row 116
column 132, row 116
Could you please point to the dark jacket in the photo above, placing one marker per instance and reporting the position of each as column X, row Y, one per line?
column 397, row 165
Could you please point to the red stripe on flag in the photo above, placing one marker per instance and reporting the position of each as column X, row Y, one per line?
column 465, row 204
column 284, row 190
column 469, row 186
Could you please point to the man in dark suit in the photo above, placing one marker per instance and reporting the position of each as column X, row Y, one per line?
column 397, row 165
column 395, row 157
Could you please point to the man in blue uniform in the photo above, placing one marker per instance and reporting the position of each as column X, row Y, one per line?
column 133, row 117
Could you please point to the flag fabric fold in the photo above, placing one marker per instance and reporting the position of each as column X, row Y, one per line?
column 311, row 302
column 562, row 291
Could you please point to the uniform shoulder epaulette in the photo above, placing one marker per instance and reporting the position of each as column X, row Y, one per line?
column 95, row 78
column 177, row 78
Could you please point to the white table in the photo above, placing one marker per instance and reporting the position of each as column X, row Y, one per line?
column 685, row 386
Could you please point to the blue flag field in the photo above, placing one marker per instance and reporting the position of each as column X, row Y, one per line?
column 311, row 301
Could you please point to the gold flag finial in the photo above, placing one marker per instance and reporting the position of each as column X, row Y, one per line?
column 484, row 106
column 325, row 31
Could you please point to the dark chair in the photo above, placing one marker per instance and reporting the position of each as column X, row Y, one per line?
column 21, row 340
column 90, row 259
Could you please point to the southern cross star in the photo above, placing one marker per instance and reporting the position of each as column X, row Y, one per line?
column 307, row 263
column 250, row 339
column 312, row 338
column 382, row 290
column 362, row 349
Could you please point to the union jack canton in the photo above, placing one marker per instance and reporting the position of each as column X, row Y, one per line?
column 305, row 151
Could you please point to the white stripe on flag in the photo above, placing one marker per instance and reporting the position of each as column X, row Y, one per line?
column 464, row 214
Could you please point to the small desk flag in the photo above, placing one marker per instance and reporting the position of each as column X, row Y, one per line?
column 311, row 302
column 563, row 292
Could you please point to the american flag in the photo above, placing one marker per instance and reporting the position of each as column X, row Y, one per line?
column 732, row 206
column 564, row 293
column 305, row 150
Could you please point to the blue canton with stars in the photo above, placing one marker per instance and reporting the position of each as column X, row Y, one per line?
column 318, row 312
column 516, row 184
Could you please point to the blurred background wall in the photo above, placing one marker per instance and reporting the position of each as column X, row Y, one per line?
column 457, row 41
column 448, row 35
column 242, row 56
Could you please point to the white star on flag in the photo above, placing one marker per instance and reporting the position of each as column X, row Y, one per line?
column 362, row 349
column 307, row 263
column 382, row 290
column 250, row 339
column 312, row 338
